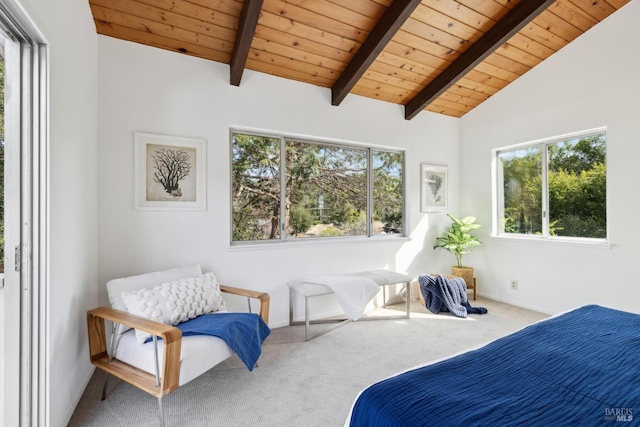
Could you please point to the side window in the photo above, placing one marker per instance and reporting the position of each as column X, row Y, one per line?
column 554, row 188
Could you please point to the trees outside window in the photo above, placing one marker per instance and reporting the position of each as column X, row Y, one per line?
column 554, row 188
column 255, row 177
column 521, row 190
column 286, row 189
column 388, row 200
column 330, row 182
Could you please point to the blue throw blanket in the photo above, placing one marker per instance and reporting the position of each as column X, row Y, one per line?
column 443, row 294
column 580, row 368
column 243, row 332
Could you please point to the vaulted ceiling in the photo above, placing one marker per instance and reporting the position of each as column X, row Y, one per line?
column 444, row 56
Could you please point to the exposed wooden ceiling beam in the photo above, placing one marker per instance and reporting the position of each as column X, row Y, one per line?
column 389, row 24
column 246, row 30
column 502, row 31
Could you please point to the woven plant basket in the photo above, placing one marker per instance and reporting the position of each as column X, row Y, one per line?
column 466, row 273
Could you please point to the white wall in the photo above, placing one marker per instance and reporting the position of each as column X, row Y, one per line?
column 593, row 82
column 143, row 89
column 68, row 27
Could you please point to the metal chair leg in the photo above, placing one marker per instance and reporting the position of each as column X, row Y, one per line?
column 161, row 412
column 384, row 296
column 112, row 349
column 104, row 387
column 155, row 360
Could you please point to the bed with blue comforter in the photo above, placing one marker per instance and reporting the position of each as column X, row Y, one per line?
column 579, row 368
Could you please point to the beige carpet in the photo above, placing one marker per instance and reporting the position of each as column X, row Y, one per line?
column 303, row 384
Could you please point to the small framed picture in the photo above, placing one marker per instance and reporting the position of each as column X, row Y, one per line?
column 170, row 173
column 434, row 181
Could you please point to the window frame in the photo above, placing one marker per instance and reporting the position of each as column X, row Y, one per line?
column 497, row 197
column 284, row 137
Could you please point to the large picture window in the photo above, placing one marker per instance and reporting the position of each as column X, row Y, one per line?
column 289, row 189
column 554, row 188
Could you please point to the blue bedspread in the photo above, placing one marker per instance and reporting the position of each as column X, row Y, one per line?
column 243, row 332
column 580, row 368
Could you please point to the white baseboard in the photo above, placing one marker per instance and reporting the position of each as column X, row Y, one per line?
column 517, row 304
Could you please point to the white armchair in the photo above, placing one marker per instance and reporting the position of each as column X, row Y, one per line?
column 169, row 363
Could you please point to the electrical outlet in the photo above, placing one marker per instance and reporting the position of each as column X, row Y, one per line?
column 514, row 285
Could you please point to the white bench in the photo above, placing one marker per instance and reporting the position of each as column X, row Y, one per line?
column 308, row 290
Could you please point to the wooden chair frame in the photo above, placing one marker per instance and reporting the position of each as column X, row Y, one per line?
column 153, row 384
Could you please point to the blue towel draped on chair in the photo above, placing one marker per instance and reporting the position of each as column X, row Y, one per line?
column 243, row 332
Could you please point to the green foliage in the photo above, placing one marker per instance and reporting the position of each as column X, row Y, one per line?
column 523, row 192
column 255, row 187
column 575, row 157
column 457, row 238
column 554, row 228
column 300, row 219
column 250, row 228
column 329, row 182
column 576, row 186
column 331, row 232
column 356, row 225
column 342, row 214
column 387, row 190
column 576, row 226
column 579, row 197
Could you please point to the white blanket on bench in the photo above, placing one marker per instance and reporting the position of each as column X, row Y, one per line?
column 353, row 292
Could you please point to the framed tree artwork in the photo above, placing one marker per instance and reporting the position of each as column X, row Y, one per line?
column 434, row 183
column 170, row 173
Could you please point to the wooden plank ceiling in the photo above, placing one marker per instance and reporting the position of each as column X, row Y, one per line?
column 445, row 56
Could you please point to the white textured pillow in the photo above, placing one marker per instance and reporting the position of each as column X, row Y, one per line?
column 175, row 302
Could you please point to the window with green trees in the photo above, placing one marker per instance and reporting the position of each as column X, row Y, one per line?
column 554, row 188
column 288, row 189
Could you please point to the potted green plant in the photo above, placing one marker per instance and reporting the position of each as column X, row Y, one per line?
column 458, row 241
